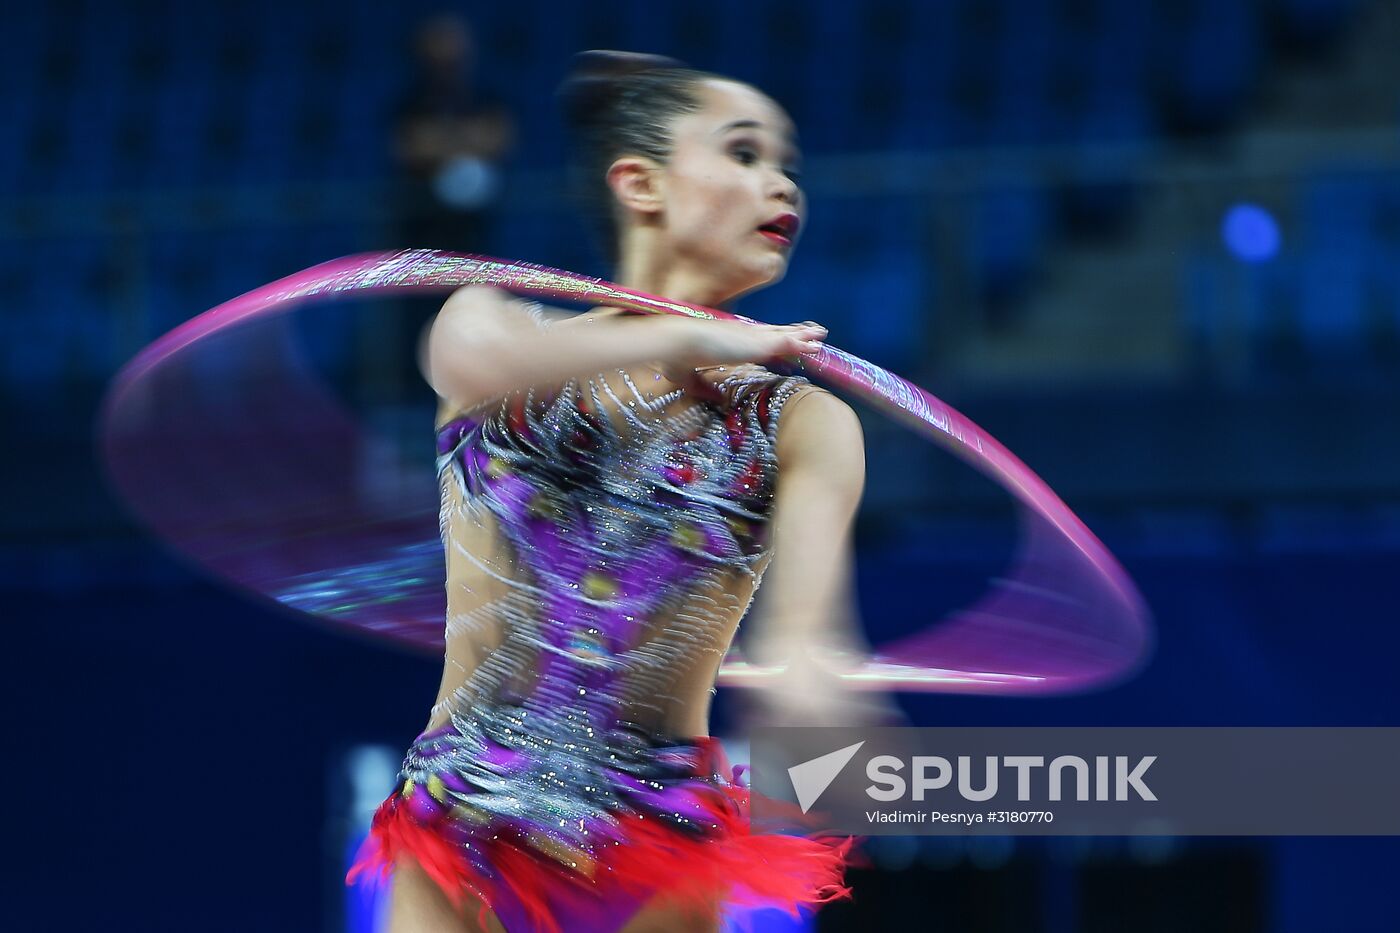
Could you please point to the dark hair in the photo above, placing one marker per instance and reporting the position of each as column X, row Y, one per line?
column 615, row 103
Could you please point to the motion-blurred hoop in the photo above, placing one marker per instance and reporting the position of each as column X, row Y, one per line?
column 258, row 483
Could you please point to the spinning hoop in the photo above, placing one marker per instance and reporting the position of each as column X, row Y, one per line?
column 248, row 465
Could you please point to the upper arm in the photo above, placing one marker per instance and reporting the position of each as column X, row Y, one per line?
column 821, row 449
column 821, row 474
column 448, row 337
column 455, row 348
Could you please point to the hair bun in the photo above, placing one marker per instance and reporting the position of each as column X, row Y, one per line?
column 614, row 63
column 593, row 76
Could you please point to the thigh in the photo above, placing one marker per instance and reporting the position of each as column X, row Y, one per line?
column 418, row 905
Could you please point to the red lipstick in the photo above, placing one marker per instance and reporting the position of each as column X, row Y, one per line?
column 781, row 229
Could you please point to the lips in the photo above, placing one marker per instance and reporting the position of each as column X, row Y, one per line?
column 783, row 227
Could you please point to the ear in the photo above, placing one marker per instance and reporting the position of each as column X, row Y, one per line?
column 635, row 180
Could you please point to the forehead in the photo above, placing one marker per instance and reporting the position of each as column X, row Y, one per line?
column 728, row 106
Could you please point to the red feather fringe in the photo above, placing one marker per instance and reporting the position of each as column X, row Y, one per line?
column 653, row 860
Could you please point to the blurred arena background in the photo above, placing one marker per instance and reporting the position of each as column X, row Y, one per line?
column 1153, row 247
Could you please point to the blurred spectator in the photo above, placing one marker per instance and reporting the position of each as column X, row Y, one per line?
column 450, row 137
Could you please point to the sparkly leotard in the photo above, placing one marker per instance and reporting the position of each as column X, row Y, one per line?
column 601, row 546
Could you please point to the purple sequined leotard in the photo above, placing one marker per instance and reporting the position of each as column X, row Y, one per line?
column 601, row 545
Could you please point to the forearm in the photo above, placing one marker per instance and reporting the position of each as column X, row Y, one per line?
column 489, row 352
column 809, row 607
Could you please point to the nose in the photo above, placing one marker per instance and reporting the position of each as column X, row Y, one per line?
column 785, row 189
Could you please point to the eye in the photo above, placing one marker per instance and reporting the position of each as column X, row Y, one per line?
column 745, row 153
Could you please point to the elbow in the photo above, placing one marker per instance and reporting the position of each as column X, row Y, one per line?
column 468, row 350
column 468, row 371
column 466, row 377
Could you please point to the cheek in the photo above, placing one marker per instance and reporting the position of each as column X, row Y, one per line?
column 711, row 202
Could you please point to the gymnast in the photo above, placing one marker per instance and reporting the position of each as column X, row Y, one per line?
column 614, row 488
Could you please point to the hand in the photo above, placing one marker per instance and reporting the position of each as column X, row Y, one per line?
column 715, row 343
column 710, row 343
column 810, row 688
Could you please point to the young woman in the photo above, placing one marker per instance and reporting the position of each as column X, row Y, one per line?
column 614, row 487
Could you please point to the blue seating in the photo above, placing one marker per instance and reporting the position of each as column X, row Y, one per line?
column 1204, row 303
column 831, row 83
column 1315, row 22
column 1331, row 302
column 1338, row 205
column 1272, row 294
column 923, row 70
column 1010, row 224
column 277, row 95
column 1384, row 277
column 890, row 317
column 1213, row 64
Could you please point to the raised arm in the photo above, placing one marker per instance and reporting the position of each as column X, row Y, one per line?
column 484, row 344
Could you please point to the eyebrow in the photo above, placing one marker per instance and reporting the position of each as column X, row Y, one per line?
column 736, row 123
column 754, row 124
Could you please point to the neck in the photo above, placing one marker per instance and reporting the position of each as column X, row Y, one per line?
column 666, row 278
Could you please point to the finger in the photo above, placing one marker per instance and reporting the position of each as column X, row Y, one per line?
column 799, row 340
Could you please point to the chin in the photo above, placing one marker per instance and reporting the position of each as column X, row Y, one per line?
column 759, row 284
column 773, row 268
column 756, row 277
column 774, row 274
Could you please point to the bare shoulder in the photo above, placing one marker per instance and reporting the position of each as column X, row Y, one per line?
column 818, row 427
column 487, row 306
column 813, row 395
column 813, row 408
column 473, row 320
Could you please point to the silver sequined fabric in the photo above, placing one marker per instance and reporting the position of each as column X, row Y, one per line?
column 602, row 542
